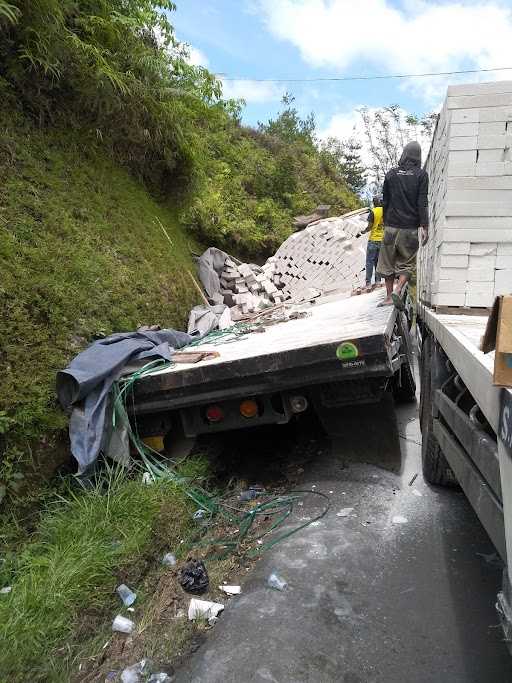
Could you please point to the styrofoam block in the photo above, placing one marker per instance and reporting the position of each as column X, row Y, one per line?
column 491, row 156
column 456, row 261
column 453, row 299
column 463, row 143
column 480, row 274
column 455, row 248
column 504, row 248
column 465, row 115
column 466, row 130
column 481, row 249
column 487, row 261
column 479, row 299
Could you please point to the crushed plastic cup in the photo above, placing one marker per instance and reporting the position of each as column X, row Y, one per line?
column 159, row 678
column 231, row 590
column 200, row 514
column 276, row 582
column 127, row 596
column 5, row 590
column 345, row 512
column 132, row 674
column 122, row 624
column 169, row 560
column 203, row 609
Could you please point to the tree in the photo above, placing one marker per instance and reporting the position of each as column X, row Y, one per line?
column 345, row 156
column 289, row 126
column 385, row 132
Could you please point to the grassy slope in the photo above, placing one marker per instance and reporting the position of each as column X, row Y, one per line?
column 80, row 254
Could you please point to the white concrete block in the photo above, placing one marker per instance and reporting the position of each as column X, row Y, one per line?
column 490, row 156
column 490, row 128
column 480, row 222
column 458, row 169
column 465, row 116
column 480, row 101
column 468, row 129
column 487, row 261
column 481, row 249
column 494, row 141
column 480, row 183
column 448, row 286
column 455, row 248
column 458, row 274
column 479, row 299
column 478, row 286
column 483, row 196
column 463, row 143
column 480, row 274
column 495, row 114
column 504, row 261
column 491, row 209
column 462, row 157
column 490, row 88
column 456, row 261
column 503, row 282
column 453, row 299
column 504, row 248
column 475, row 235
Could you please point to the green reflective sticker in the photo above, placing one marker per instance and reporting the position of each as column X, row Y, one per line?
column 347, row 351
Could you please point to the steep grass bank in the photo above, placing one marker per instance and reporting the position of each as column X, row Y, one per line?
column 82, row 254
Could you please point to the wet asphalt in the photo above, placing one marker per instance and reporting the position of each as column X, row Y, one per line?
column 400, row 590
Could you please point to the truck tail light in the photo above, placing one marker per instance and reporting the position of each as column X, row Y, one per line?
column 214, row 414
column 248, row 408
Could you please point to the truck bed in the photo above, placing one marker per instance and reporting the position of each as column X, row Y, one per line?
column 287, row 354
column 460, row 336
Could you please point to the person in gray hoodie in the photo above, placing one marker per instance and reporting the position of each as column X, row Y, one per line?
column 405, row 205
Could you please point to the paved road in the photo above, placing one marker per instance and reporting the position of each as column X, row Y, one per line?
column 369, row 600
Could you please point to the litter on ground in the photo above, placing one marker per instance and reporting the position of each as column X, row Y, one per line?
column 127, row 596
column 277, row 582
column 231, row 590
column 169, row 560
column 203, row 609
column 344, row 512
column 194, row 577
column 398, row 519
column 122, row 624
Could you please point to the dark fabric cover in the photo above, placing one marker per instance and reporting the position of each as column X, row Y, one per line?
column 85, row 384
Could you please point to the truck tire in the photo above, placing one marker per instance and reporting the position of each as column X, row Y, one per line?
column 404, row 383
column 434, row 465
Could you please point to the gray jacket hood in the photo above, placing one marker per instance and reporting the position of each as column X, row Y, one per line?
column 411, row 156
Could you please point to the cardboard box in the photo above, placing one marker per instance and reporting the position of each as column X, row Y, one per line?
column 498, row 337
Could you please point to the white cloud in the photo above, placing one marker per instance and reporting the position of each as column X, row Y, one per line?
column 197, row 58
column 422, row 37
column 252, row 91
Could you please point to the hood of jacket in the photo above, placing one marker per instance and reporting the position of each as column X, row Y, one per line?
column 411, row 155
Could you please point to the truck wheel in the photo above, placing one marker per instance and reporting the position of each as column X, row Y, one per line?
column 434, row 465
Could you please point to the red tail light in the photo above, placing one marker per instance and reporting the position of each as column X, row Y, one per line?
column 214, row 414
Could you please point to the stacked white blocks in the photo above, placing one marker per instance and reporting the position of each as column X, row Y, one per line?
column 468, row 259
column 329, row 254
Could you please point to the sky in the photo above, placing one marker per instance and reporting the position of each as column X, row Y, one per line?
column 248, row 40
